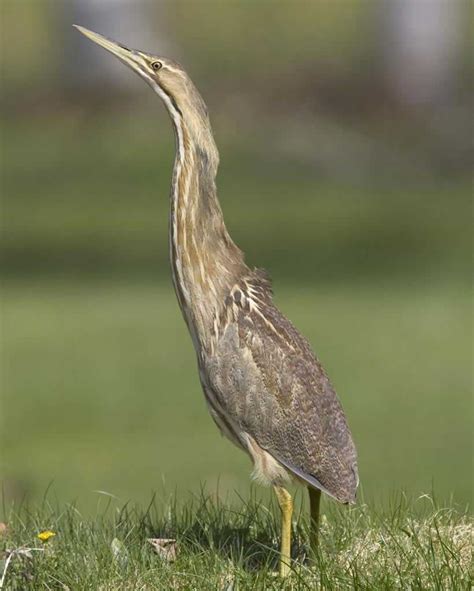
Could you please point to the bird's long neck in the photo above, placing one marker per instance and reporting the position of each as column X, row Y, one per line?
column 205, row 261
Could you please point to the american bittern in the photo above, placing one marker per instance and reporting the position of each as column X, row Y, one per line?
column 265, row 389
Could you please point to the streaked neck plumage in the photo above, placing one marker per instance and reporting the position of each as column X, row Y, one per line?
column 205, row 262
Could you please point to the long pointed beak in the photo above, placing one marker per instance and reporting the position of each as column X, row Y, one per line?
column 128, row 56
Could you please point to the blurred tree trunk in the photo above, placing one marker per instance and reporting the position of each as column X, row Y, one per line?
column 420, row 45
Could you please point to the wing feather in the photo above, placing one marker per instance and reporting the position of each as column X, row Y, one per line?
column 271, row 385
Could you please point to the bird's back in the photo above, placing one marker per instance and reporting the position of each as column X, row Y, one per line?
column 267, row 383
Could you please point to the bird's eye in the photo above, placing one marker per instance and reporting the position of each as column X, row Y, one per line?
column 156, row 66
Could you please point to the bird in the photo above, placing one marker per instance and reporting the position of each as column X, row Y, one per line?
column 264, row 387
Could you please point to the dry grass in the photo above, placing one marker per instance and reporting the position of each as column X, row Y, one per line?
column 413, row 545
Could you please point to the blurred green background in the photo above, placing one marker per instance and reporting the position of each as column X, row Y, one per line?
column 345, row 170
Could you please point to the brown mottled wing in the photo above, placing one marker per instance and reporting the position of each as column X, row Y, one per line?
column 268, row 382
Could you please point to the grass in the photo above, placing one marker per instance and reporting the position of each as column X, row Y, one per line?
column 93, row 200
column 99, row 386
column 111, row 377
column 412, row 544
column 110, row 398
column 100, row 390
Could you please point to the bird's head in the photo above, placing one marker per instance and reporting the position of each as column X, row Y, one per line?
column 167, row 78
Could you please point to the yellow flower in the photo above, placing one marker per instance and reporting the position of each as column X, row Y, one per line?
column 44, row 536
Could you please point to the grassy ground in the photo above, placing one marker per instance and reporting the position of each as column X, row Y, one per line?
column 99, row 385
column 221, row 549
column 93, row 200
column 101, row 390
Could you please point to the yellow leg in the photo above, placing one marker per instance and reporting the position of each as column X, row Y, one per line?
column 286, row 505
column 314, row 501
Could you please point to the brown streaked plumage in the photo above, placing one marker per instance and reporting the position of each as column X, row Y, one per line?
column 265, row 389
